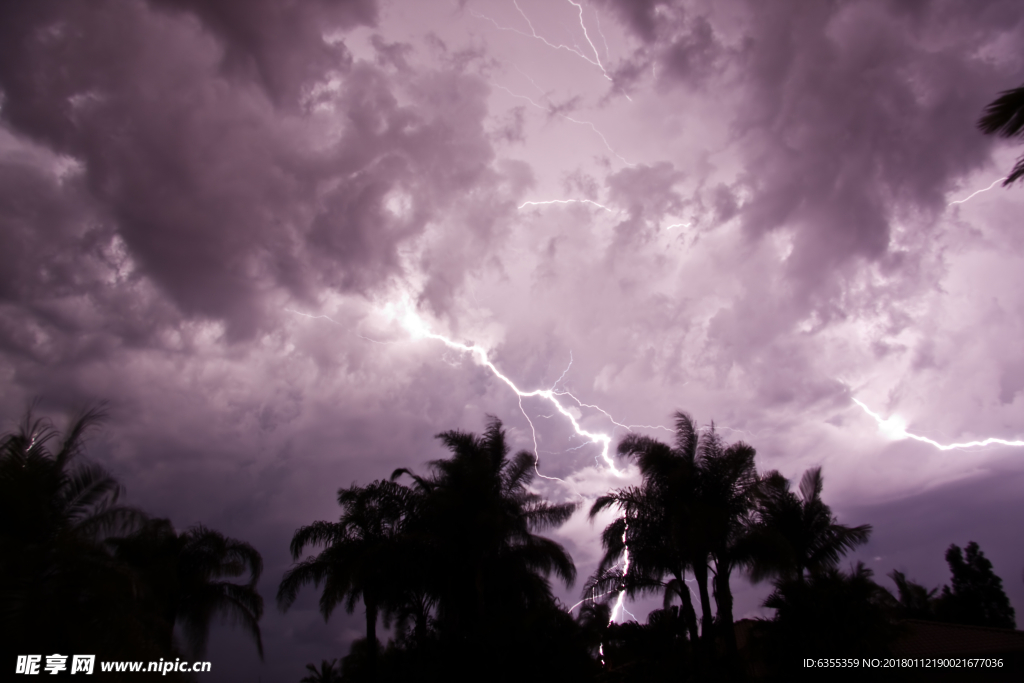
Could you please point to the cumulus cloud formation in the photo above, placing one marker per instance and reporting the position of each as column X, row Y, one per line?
column 216, row 214
column 235, row 151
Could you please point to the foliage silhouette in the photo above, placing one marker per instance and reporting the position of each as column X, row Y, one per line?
column 182, row 578
column 793, row 536
column 656, row 651
column 661, row 525
column 976, row 597
column 830, row 613
column 327, row 673
column 59, row 588
column 913, row 601
column 477, row 517
column 1005, row 117
column 483, row 565
column 80, row 572
column 693, row 509
column 363, row 556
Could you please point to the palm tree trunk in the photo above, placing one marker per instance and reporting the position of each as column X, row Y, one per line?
column 688, row 614
column 371, row 638
column 723, row 600
column 700, row 572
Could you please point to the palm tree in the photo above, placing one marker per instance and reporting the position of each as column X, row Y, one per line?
column 796, row 536
column 1005, row 117
column 653, row 557
column 364, row 555
column 183, row 580
column 47, row 495
column 688, row 512
column 329, row 672
column 58, row 585
column 730, row 487
column 475, row 520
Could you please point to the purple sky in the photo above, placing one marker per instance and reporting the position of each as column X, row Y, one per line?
column 770, row 233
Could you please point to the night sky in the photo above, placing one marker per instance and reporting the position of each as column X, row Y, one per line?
column 239, row 221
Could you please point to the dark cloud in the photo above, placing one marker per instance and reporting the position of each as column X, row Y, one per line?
column 279, row 44
column 849, row 110
column 850, row 115
column 640, row 15
column 217, row 193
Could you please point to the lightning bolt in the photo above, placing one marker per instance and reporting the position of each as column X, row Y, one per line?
column 597, row 57
column 406, row 316
column 620, row 601
column 896, row 428
column 961, row 201
column 566, row 201
column 416, row 327
column 596, row 61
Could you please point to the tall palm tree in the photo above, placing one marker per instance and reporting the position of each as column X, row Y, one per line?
column 796, row 536
column 730, row 487
column 476, row 519
column 58, row 585
column 364, row 555
column 183, row 578
column 686, row 514
column 656, row 563
column 1005, row 117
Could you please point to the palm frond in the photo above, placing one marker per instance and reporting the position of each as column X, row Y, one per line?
column 811, row 484
column 1005, row 115
column 315, row 534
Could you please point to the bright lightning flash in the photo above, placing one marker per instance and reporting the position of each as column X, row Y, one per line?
column 566, row 201
column 896, row 428
column 406, row 316
column 961, row 201
column 417, row 327
column 596, row 61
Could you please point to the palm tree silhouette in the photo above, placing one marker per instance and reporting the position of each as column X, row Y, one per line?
column 692, row 509
column 475, row 520
column 48, row 495
column 183, row 580
column 364, row 555
column 653, row 555
column 329, row 672
column 796, row 536
column 58, row 585
column 731, row 486
column 1005, row 117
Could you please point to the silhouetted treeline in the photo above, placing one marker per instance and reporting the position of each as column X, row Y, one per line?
column 82, row 574
column 452, row 574
column 452, row 561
